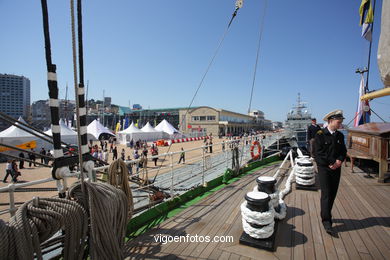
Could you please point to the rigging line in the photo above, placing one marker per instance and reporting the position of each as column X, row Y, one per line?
column 200, row 84
column 377, row 115
column 74, row 55
column 356, row 114
column 258, row 52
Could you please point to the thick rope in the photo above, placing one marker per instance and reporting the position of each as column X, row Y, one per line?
column 107, row 207
column 118, row 177
column 39, row 219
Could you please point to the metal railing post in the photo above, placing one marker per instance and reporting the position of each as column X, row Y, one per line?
column 12, row 208
column 203, row 164
column 171, row 174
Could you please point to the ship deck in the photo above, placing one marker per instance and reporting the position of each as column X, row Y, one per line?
column 361, row 220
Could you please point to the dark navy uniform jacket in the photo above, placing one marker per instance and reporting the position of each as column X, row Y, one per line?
column 329, row 148
column 312, row 130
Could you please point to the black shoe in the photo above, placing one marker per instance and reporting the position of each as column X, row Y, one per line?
column 328, row 228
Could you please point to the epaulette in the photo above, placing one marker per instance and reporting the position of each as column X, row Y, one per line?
column 319, row 132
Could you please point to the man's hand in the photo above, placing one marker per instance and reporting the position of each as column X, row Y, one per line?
column 336, row 165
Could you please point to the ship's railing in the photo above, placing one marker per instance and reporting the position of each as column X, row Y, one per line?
column 172, row 178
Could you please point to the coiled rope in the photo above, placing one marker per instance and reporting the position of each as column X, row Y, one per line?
column 264, row 219
column 39, row 219
column 108, row 209
column 118, row 177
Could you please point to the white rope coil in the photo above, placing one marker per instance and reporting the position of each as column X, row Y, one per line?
column 305, row 182
column 258, row 233
column 265, row 219
column 254, row 217
column 307, row 176
column 304, row 169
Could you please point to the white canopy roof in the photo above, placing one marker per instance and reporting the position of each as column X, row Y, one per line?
column 14, row 131
column 95, row 128
column 149, row 129
column 131, row 129
column 166, row 127
column 65, row 130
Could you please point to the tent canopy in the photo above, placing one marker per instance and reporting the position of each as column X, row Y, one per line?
column 14, row 131
column 149, row 129
column 98, row 131
column 131, row 129
column 166, row 127
column 65, row 130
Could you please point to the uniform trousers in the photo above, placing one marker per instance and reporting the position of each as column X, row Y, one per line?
column 329, row 183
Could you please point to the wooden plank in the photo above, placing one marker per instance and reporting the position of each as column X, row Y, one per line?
column 307, row 229
column 368, row 224
column 284, row 233
column 225, row 255
column 346, row 219
column 216, row 254
column 234, row 257
column 354, row 212
column 215, row 221
column 298, row 236
column 316, row 227
column 376, row 223
column 329, row 247
column 348, row 248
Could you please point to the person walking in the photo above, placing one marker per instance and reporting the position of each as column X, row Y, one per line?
column 21, row 161
column 42, row 153
column 123, row 154
column 330, row 152
column 311, row 133
column 182, row 156
column 8, row 171
column 114, row 153
column 32, row 158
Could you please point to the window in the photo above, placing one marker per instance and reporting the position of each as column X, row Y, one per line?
column 210, row 118
column 202, row 118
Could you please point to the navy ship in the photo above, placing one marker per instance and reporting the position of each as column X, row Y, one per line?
column 298, row 119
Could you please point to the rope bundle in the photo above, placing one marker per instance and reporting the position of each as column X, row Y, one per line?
column 264, row 219
column 108, row 210
column 118, row 177
column 38, row 220
column 304, row 173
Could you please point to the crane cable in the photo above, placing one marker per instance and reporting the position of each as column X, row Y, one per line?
column 258, row 52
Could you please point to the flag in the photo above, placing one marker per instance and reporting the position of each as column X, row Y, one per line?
column 118, row 126
column 363, row 112
column 136, row 124
column 123, row 124
column 366, row 19
column 126, row 123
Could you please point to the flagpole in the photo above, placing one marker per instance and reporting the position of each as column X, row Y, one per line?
column 369, row 50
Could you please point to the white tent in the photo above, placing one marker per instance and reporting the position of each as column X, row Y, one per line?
column 67, row 134
column 15, row 136
column 132, row 132
column 167, row 128
column 97, row 131
column 151, row 133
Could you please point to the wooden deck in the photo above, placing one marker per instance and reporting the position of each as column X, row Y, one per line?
column 361, row 216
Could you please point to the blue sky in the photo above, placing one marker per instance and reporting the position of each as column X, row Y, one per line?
column 154, row 53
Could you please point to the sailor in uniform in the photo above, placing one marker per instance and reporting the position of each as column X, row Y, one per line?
column 330, row 152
